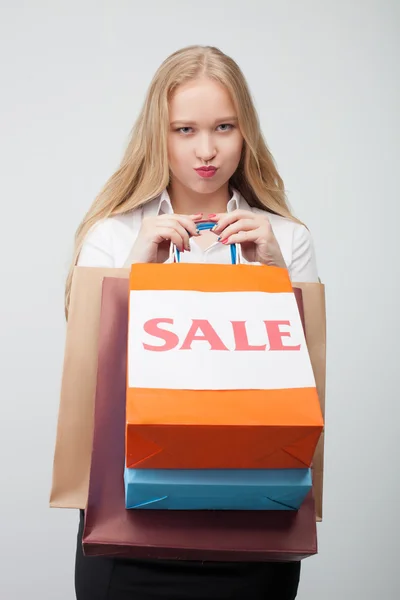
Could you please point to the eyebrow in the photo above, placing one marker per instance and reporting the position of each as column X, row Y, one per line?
column 223, row 120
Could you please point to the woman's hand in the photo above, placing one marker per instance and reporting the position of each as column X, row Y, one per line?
column 156, row 234
column 253, row 232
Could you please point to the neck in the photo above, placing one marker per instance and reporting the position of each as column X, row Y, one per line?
column 188, row 202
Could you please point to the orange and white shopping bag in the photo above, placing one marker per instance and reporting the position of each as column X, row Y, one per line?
column 218, row 374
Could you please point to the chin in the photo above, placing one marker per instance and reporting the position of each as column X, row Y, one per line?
column 206, row 187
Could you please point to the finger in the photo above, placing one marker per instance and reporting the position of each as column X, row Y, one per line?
column 196, row 217
column 175, row 224
column 229, row 218
column 185, row 235
column 189, row 224
column 184, row 220
column 172, row 235
column 241, row 225
column 242, row 237
column 215, row 217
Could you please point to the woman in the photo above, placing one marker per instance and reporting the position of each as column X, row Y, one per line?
column 196, row 152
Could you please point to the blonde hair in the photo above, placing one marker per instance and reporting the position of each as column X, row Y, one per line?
column 144, row 173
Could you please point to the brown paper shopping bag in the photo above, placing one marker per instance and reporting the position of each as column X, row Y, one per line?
column 212, row 535
column 76, row 413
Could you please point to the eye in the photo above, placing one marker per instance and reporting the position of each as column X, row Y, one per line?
column 184, row 130
column 225, row 127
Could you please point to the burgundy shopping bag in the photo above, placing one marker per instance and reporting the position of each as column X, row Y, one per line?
column 112, row 530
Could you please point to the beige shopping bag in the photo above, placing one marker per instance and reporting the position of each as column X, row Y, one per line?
column 73, row 449
column 315, row 325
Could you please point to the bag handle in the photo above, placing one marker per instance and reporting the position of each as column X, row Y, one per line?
column 202, row 226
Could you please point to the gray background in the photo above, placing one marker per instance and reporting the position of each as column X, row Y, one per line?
column 325, row 79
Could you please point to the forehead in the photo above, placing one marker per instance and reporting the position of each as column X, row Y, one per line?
column 201, row 100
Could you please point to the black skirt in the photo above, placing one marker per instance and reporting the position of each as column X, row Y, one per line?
column 100, row 578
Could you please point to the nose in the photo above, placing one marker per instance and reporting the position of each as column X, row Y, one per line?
column 205, row 150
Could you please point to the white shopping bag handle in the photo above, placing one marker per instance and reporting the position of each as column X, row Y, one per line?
column 236, row 254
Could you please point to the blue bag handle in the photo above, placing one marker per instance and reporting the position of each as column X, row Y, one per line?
column 202, row 226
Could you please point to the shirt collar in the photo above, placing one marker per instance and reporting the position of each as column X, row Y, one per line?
column 162, row 204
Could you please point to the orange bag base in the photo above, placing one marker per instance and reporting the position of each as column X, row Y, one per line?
column 220, row 447
column 229, row 429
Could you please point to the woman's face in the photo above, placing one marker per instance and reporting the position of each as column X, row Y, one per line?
column 203, row 131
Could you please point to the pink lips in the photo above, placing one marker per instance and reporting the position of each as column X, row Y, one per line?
column 206, row 171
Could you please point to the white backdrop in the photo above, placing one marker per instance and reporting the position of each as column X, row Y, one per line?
column 325, row 80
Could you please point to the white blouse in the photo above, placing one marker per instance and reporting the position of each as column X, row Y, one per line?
column 109, row 242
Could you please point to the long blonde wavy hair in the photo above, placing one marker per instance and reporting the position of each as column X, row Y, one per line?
column 144, row 173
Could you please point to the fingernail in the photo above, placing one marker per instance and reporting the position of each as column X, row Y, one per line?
column 212, row 216
column 225, row 241
column 214, row 228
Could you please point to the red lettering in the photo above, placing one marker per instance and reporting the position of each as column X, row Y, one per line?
column 275, row 335
column 241, row 339
column 201, row 330
column 152, row 328
column 208, row 335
